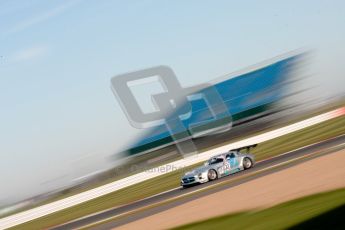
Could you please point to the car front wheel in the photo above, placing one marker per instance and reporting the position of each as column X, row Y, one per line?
column 212, row 175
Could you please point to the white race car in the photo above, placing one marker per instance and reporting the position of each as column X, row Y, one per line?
column 219, row 166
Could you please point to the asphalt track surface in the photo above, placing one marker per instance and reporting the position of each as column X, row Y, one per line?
column 259, row 166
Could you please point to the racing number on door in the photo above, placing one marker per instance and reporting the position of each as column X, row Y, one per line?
column 233, row 162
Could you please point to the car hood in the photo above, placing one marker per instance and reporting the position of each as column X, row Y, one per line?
column 198, row 170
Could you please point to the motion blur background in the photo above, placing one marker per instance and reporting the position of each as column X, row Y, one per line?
column 59, row 119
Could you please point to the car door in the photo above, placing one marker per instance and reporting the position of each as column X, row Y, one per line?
column 221, row 166
column 233, row 160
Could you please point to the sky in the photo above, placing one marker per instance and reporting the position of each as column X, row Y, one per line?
column 59, row 119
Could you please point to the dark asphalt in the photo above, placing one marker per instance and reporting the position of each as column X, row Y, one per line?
column 139, row 204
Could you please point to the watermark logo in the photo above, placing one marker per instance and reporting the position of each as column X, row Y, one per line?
column 173, row 106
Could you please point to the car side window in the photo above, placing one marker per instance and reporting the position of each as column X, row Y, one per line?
column 230, row 155
column 220, row 160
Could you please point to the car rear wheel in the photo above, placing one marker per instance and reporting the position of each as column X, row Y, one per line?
column 212, row 174
column 247, row 163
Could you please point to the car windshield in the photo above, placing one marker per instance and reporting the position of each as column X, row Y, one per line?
column 213, row 161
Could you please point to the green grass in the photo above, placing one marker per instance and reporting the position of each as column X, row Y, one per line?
column 294, row 213
column 310, row 135
column 165, row 182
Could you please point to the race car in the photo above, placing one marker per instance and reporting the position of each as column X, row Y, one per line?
column 219, row 166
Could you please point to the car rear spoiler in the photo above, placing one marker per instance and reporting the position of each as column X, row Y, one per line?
column 245, row 147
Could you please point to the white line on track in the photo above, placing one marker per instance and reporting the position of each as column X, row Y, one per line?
column 59, row 205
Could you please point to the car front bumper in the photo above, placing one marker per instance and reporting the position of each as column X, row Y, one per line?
column 190, row 180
